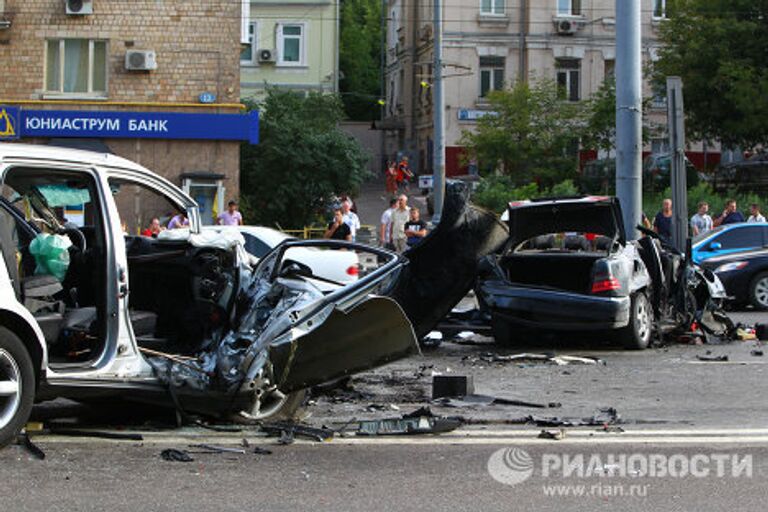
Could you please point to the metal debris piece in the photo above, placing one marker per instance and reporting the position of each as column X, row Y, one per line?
column 756, row 353
column 24, row 440
column 557, row 435
column 261, row 451
column 484, row 400
column 174, row 455
column 119, row 436
column 420, row 421
column 217, row 449
column 452, row 386
column 712, row 359
column 278, row 428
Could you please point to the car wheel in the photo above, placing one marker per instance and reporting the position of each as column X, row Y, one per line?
column 758, row 291
column 637, row 334
column 275, row 406
column 17, row 386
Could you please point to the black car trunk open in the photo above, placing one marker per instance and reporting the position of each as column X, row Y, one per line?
column 563, row 271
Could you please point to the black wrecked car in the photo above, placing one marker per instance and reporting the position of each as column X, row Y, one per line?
column 567, row 266
column 744, row 275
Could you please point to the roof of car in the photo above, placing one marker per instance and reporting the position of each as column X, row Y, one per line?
column 39, row 151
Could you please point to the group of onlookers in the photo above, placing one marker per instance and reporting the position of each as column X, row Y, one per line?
column 230, row 217
column 701, row 221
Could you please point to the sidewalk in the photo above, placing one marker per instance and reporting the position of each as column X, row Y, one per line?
column 373, row 200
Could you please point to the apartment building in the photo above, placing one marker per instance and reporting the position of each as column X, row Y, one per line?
column 490, row 44
column 155, row 81
column 291, row 44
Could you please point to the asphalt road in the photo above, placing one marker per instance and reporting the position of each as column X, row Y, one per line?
column 670, row 404
column 429, row 477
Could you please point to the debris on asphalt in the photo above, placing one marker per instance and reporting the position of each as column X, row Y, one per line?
column 485, row 400
column 117, row 436
column 527, row 358
column 557, row 435
column 217, row 449
column 761, row 331
column 285, row 428
column 261, row 451
column 432, row 340
column 756, row 353
column 745, row 333
column 285, row 438
column 174, row 455
column 712, row 359
column 472, row 338
column 604, row 416
column 452, row 386
column 24, row 440
column 420, row 421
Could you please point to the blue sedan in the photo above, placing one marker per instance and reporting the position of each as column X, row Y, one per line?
column 729, row 239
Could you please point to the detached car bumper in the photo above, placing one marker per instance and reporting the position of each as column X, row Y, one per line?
column 555, row 310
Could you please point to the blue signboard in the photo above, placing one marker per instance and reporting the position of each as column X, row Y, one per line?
column 9, row 123
column 133, row 125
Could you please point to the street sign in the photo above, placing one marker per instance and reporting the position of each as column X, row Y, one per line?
column 9, row 123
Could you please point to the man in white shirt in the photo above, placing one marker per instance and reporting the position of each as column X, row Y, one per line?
column 350, row 218
column 400, row 216
column 755, row 215
column 701, row 222
column 385, row 238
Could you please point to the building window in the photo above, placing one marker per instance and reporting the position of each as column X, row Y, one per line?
column 491, row 75
column 248, row 54
column 568, row 74
column 609, row 69
column 492, row 7
column 76, row 66
column 291, row 43
column 659, row 9
column 569, row 7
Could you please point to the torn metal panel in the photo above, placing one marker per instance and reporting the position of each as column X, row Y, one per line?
column 443, row 267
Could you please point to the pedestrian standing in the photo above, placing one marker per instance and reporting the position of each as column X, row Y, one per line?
column 391, row 178
column 731, row 214
column 662, row 223
column 338, row 229
column 154, row 228
column 755, row 215
column 350, row 218
column 179, row 221
column 231, row 217
column 403, row 175
column 385, row 238
column 400, row 216
column 701, row 222
column 415, row 228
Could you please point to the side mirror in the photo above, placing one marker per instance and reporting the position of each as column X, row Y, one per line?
column 715, row 246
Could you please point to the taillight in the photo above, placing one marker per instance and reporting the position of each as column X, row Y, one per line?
column 606, row 285
column 353, row 270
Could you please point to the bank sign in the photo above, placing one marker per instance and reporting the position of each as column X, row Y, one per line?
column 16, row 122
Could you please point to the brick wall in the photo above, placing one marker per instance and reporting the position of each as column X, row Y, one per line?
column 197, row 44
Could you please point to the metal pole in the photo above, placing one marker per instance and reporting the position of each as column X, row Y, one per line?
column 678, row 177
column 629, row 113
column 383, row 86
column 438, row 180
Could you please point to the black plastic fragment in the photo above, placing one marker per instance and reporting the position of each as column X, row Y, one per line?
column 174, row 455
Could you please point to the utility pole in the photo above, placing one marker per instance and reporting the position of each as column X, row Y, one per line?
column 438, row 104
column 629, row 113
column 676, row 126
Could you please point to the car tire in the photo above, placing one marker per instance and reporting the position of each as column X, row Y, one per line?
column 758, row 291
column 637, row 334
column 16, row 370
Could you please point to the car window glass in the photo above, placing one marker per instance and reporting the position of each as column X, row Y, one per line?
column 255, row 247
column 740, row 238
column 138, row 205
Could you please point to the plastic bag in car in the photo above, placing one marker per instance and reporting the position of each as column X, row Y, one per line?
column 51, row 254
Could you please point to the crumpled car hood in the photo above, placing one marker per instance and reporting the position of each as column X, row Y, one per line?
column 601, row 215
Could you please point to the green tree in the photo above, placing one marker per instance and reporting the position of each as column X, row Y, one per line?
column 360, row 58
column 719, row 48
column 532, row 135
column 302, row 160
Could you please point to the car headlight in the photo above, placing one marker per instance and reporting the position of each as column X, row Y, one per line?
column 729, row 267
